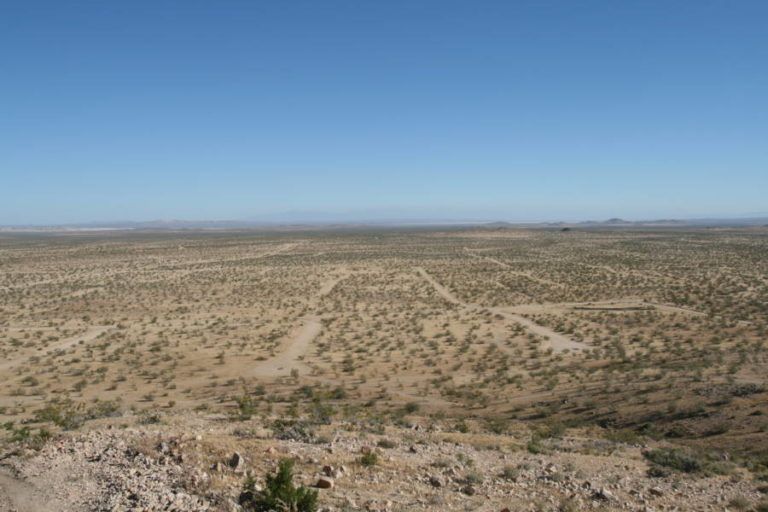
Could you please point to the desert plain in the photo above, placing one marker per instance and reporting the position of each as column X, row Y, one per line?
column 434, row 368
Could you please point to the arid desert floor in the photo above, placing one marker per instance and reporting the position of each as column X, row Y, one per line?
column 485, row 368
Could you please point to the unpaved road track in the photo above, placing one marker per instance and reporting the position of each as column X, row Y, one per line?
column 296, row 347
column 558, row 342
column 511, row 269
column 290, row 357
column 439, row 288
column 91, row 334
column 554, row 340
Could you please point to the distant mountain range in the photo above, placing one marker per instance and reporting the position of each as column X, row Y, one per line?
column 175, row 225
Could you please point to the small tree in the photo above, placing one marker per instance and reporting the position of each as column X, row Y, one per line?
column 279, row 494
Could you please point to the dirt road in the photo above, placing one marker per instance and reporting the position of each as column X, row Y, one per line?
column 292, row 351
column 552, row 339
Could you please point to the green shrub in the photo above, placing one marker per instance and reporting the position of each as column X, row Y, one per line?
column 510, row 473
column 369, row 459
column 534, row 446
column 24, row 435
column 245, row 407
column 674, row 458
column 625, row 435
column 279, row 494
column 411, row 407
column 552, row 430
column 65, row 414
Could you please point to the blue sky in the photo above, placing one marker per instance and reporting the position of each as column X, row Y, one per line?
column 514, row 110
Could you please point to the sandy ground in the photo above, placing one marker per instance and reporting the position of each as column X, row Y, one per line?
column 17, row 495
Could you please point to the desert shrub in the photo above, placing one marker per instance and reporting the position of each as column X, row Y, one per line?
column 279, row 494
column 369, row 459
column 147, row 417
column 411, row 407
column 510, row 473
column 497, row 426
column 322, row 412
column 103, row 409
column 338, row 393
column 65, row 414
column 534, row 446
column 24, row 435
column 245, row 407
column 386, row 443
column 69, row 415
column 568, row 505
column 624, row 435
column 293, row 430
column 552, row 430
column 472, row 478
column 739, row 503
column 673, row 458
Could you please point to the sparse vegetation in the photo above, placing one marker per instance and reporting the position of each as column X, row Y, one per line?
column 527, row 342
column 279, row 493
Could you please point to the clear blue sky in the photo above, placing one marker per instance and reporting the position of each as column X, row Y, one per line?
column 512, row 109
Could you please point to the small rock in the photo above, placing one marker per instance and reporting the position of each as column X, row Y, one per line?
column 237, row 463
column 435, row 481
column 604, row 494
column 324, row 482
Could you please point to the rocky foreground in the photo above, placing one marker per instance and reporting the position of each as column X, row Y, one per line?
column 199, row 463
